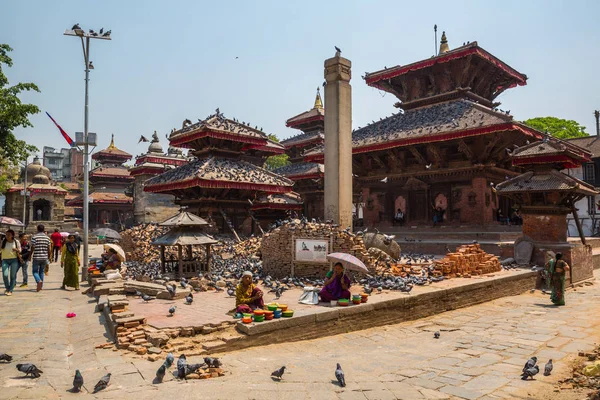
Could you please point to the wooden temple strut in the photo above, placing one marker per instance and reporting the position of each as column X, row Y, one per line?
column 229, row 224
column 576, row 218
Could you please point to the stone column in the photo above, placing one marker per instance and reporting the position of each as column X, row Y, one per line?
column 338, row 141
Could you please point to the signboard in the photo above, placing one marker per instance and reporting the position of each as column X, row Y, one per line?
column 310, row 250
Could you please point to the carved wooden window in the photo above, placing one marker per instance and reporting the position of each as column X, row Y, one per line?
column 589, row 172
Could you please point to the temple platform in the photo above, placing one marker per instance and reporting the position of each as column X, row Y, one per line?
column 206, row 320
column 434, row 240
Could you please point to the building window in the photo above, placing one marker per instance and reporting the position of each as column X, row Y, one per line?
column 589, row 172
column 592, row 207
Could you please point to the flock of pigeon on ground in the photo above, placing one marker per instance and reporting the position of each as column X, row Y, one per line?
column 530, row 369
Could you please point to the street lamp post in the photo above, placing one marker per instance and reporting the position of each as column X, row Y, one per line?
column 77, row 31
column 24, row 195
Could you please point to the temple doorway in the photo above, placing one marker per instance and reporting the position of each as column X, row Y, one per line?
column 41, row 210
column 417, row 205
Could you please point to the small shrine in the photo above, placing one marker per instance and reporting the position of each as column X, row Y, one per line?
column 545, row 196
column 152, row 207
column 186, row 233
column 308, row 177
column 227, row 174
column 110, row 205
column 45, row 200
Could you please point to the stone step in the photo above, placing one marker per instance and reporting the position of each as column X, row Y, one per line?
column 123, row 321
column 151, row 289
column 214, row 345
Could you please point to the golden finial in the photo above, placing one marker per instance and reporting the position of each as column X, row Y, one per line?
column 112, row 142
column 318, row 101
column 444, row 48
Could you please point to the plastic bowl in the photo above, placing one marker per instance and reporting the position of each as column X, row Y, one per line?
column 343, row 303
column 288, row 313
column 272, row 307
column 246, row 320
column 259, row 312
column 246, row 315
column 259, row 319
column 283, row 307
column 269, row 317
column 356, row 301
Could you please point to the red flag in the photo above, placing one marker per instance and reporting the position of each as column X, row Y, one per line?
column 62, row 131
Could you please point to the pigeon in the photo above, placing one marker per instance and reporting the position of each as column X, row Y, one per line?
column 160, row 373
column 428, row 166
column 548, row 368
column 189, row 300
column 172, row 310
column 172, row 290
column 213, row 362
column 106, row 34
column 530, row 372
column 101, row 31
column 5, row 357
column 181, row 363
column 530, row 363
column 384, row 180
column 169, row 361
column 143, row 139
column 231, row 292
column 76, row 26
column 337, row 49
column 278, row 373
column 102, row 383
column 339, row 375
column 191, row 368
column 147, row 298
column 436, row 335
column 30, row 369
column 77, row 381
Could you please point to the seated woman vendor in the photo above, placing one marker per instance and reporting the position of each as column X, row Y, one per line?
column 336, row 285
column 248, row 296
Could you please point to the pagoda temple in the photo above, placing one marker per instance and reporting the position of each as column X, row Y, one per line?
column 307, row 176
column 545, row 196
column 110, row 205
column 221, row 184
column 154, row 207
column 45, row 200
column 445, row 145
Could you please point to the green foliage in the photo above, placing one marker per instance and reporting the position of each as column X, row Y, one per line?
column 557, row 127
column 280, row 160
column 13, row 114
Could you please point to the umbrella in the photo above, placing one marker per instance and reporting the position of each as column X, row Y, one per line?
column 64, row 234
column 107, row 233
column 118, row 249
column 349, row 262
column 10, row 221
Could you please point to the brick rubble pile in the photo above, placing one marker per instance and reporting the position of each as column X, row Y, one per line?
column 466, row 261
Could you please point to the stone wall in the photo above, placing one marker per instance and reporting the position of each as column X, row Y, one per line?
column 277, row 249
column 151, row 207
column 581, row 262
column 545, row 228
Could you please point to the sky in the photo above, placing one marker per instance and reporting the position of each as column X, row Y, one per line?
column 168, row 61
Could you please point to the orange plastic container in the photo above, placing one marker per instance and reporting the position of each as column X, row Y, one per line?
column 259, row 312
column 283, row 307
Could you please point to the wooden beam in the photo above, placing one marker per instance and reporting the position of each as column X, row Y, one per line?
column 378, row 161
column 484, row 156
column 434, row 150
column 413, row 150
column 392, row 160
column 466, row 150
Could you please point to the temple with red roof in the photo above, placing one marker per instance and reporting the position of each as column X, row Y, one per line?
column 226, row 177
column 445, row 145
column 154, row 207
column 111, row 204
column 307, row 176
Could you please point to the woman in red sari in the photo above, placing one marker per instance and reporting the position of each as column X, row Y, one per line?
column 248, row 296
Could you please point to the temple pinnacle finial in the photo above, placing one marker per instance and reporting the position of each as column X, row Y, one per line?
column 112, row 142
column 444, row 48
column 318, row 101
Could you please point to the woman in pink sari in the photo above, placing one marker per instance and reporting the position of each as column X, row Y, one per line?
column 337, row 285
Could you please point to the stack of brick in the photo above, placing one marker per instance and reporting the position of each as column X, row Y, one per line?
column 133, row 339
column 277, row 248
column 466, row 261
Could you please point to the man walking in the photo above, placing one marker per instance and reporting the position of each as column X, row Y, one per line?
column 41, row 253
column 56, row 238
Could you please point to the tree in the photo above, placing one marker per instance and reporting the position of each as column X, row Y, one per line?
column 280, row 160
column 13, row 114
column 557, row 127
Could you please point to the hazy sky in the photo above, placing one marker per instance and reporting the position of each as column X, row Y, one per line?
column 169, row 61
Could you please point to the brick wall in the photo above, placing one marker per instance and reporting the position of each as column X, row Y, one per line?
column 277, row 249
column 151, row 207
column 545, row 228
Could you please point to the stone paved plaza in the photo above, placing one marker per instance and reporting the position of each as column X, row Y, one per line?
column 479, row 355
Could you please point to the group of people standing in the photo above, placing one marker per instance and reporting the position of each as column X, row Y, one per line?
column 39, row 252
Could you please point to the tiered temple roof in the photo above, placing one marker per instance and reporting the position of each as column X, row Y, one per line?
column 155, row 161
column 228, row 157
